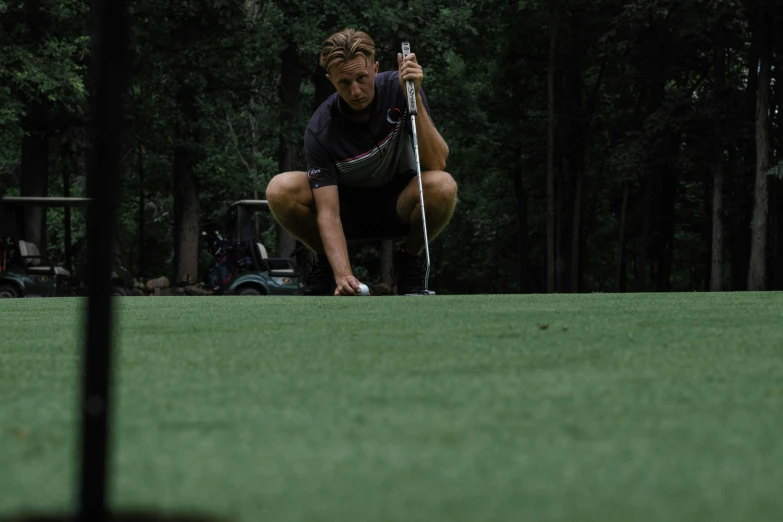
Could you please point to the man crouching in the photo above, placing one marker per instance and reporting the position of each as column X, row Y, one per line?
column 361, row 170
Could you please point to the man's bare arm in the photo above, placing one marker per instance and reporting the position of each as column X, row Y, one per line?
column 433, row 150
column 327, row 206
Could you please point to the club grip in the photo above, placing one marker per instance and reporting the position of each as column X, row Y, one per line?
column 406, row 50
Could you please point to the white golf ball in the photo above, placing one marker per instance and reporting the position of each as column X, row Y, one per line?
column 364, row 290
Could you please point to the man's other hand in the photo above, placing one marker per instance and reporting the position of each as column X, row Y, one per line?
column 347, row 285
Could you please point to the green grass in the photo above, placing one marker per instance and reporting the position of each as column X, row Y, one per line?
column 642, row 407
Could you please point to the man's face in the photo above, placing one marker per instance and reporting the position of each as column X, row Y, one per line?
column 355, row 81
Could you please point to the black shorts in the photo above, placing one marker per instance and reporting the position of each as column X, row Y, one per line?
column 371, row 212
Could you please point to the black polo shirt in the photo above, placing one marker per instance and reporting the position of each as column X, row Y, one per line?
column 340, row 151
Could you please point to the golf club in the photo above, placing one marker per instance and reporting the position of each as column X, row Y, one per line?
column 406, row 50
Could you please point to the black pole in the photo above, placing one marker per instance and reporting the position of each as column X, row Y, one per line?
column 108, row 75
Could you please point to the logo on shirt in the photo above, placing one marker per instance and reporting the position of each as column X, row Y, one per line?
column 393, row 115
column 313, row 174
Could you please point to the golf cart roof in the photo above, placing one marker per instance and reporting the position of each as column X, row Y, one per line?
column 12, row 208
column 46, row 201
column 251, row 203
column 240, row 215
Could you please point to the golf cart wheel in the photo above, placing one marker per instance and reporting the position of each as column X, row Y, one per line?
column 8, row 291
column 250, row 290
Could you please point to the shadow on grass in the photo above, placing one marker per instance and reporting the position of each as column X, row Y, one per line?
column 132, row 516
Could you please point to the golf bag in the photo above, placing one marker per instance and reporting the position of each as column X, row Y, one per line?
column 227, row 260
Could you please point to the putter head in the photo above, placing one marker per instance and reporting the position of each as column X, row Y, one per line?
column 422, row 292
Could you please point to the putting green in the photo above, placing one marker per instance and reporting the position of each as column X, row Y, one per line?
column 643, row 407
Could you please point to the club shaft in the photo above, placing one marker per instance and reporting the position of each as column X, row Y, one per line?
column 421, row 201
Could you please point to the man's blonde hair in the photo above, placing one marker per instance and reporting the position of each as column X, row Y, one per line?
column 344, row 46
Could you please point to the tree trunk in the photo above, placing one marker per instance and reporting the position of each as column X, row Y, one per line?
column 141, row 225
column 569, row 144
column 560, row 254
column 186, row 220
column 288, row 159
column 757, row 273
column 35, row 172
column 776, row 185
column 716, row 259
column 550, row 171
column 593, row 210
column 743, row 184
column 776, row 221
column 658, row 162
column 576, row 232
column 66, row 165
column 705, row 230
column 576, row 131
column 642, row 262
column 255, row 168
column 34, row 167
column 667, row 205
column 666, row 224
column 578, row 141
column 619, row 275
column 520, row 199
column 186, row 201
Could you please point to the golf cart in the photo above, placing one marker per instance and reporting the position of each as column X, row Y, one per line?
column 23, row 271
column 242, row 265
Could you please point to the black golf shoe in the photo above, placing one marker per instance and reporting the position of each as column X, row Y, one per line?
column 320, row 281
column 408, row 272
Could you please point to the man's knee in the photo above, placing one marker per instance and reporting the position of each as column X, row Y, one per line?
column 440, row 185
column 286, row 190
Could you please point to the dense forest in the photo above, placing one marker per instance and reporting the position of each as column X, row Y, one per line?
column 599, row 146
